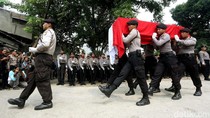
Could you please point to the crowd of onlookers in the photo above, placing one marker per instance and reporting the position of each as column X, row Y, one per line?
column 15, row 67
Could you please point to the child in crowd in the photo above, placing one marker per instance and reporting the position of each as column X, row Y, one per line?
column 14, row 76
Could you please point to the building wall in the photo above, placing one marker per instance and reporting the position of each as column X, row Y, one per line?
column 12, row 34
column 8, row 43
column 13, row 23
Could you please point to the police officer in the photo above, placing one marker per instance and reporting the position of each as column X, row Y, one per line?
column 13, row 60
column 204, row 59
column 4, row 58
column 150, row 63
column 116, row 60
column 135, row 62
column 104, row 66
column 62, row 61
column 150, row 60
column 72, row 69
column 94, row 67
column 110, row 66
column 43, row 68
column 167, row 60
column 89, row 74
column 82, row 69
column 118, row 67
column 186, row 57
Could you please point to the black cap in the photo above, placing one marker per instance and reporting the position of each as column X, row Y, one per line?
column 203, row 46
column 185, row 30
column 161, row 26
column 49, row 20
column 132, row 22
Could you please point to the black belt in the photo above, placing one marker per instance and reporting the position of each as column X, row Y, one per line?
column 187, row 54
column 36, row 54
column 167, row 53
column 132, row 53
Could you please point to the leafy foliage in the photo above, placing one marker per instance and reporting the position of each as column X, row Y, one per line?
column 195, row 14
column 85, row 21
column 6, row 3
column 3, row 2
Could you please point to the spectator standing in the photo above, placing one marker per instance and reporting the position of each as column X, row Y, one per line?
column 4, row 58
column 62, row 61
column 204, row 59
column 72, row 69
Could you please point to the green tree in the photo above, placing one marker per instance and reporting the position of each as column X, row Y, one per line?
column 85, row 21
column 3, row 2
column 6, row 3
column 194, row 14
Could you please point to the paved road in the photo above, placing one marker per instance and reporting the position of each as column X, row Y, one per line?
column 89, row 102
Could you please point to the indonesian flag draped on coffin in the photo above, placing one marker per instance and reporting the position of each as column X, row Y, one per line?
column 145, row 28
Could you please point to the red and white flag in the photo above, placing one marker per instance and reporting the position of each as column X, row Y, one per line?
column 146, row 29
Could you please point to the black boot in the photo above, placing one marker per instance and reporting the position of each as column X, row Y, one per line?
column 17, row 101
column 176, row 96
column 44, row 106
column 108, row 91
column 198, row 92
column 170, row 89
column 130, row 92
column 143, row 101
column 151, row 90
column 157, row 90
column 105, row 86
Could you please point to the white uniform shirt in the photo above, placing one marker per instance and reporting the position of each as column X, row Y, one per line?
column 47, row 43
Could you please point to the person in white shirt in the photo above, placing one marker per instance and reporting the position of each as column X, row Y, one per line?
column 82, row 69
column 72, row 69
column 62, row 62
column 42, row 71
column 204, row 59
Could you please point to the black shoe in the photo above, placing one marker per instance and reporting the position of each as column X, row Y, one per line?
column 150, row 91
column 16, row 88
column 130, row 92
column 17, row 101
column 170, row 89
column 92, row 83
column 72, row 84
column 108, row 91
column 100, row 86
column 58, row 84
column 207, row 79
column 176, row 96
column 83, row 83
column 6, row 87
column 106, row 86
column 43, row 106
column 198, row 92
column 157, row 90
column 143, row 101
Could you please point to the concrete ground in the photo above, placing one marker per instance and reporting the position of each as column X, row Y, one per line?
column 88, row 102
